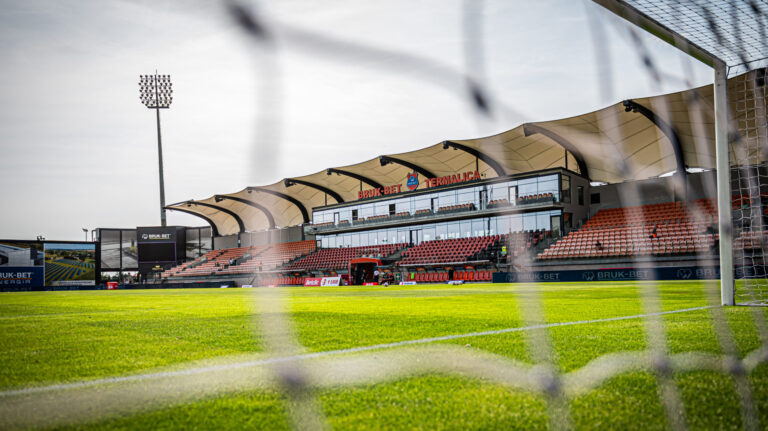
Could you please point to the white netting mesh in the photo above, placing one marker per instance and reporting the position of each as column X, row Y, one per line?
column 298, row 375
column 749, row 180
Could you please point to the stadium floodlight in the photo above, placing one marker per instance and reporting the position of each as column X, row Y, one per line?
column 155, row 92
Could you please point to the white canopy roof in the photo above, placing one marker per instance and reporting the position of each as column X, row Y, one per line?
column 629, row 140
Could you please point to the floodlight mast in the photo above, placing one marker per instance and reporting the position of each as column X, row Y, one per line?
column 155, row 93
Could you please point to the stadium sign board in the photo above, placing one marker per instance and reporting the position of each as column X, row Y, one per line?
column 413, row 184
column 322, row 281
column 611, row 274
column 452, row 179
column 22, row 263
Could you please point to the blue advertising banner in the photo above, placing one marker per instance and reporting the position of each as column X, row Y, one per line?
column 22, row 263
column 22, row 276
column 611, row 274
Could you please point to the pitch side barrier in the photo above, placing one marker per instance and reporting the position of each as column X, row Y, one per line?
column 198, row 285
column 624, row 274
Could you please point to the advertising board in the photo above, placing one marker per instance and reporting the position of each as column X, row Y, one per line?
column 22, row 263
column 70, row 264
column 611, row 274
column 322, row 281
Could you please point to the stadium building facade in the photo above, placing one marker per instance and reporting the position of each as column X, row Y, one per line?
column 632, row 184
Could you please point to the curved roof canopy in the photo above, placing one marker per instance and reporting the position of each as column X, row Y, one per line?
column 613, row 144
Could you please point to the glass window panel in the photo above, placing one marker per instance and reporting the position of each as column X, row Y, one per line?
column 453, row 230
column 403, row 205
column 429, row 234
column 565, row 186
column 382, row 236
column 129, row 252
column 542, row 221
column 478, row 227
column 403, row 236
column 502, row 224
column 529, row 221
column 441, row 231
column 516, row 223
column 467, row 197
column 420, row 203
column 499, row 191
column 465, row 228
column 344, row 214
column 366, row 211
column 110, row 249
column 392, row 236
column 548, row 184
column 381, row 208
column 527, row 187
column 193, row 243
column 445, row 199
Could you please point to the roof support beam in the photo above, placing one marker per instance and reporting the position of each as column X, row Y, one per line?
column 214, row 229
column 234, row 215
column 667, row 129
column 385, row 160
column 366, row 180
column 532, row 129
column 262, row 208
column 291, row 181
column 490, row 161
column 291, row 199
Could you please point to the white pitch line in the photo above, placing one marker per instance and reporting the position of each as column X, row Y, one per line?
column 304, row 356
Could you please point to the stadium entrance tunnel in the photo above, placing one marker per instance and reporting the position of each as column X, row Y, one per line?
column 361, row 270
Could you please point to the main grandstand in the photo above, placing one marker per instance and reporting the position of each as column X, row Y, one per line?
column 551, row 195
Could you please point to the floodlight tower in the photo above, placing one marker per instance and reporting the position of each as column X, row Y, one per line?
column 155, row 93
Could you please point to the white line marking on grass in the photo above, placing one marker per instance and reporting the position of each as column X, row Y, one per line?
column 304, row 356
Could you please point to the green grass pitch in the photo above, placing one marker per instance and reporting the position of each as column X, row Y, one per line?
column 48, row 338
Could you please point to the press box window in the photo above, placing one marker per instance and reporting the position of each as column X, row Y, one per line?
column 565, row 188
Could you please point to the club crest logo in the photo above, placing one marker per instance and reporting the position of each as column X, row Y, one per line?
column 588, row 276
column 413, row 181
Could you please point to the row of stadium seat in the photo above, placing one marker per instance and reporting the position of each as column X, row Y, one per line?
column 447, row 250
column 656, row 229
column 283, row 281
column 442, row 276
column 456, row 208
column 535, row 198
column 272, row 257
column 338, row 258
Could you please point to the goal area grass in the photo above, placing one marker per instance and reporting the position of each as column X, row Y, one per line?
column 60, row 338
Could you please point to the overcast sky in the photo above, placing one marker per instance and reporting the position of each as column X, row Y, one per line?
column 79, row 150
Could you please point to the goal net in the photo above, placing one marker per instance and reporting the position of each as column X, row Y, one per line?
column 749, row 184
